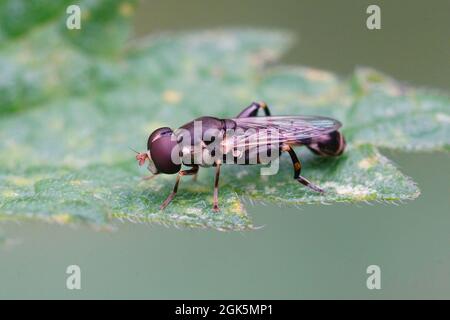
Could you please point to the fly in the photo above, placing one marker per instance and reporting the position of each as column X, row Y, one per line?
column 241, row 140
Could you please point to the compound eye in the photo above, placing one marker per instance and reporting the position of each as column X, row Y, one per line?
column 158, row 133
column 149, row 142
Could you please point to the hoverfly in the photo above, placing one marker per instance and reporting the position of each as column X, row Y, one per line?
column 248, row 138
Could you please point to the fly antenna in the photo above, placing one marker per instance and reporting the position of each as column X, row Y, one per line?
column 133, row 150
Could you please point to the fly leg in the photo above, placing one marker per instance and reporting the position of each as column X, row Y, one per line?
column 148, row 178
column 298, row 168
column 252, row 110
column 189, row 172
column 216, row 187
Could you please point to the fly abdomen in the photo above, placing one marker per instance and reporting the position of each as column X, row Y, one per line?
column 331, row 144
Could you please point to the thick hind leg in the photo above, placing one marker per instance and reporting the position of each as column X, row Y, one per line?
column 298, row 169
column 252, row 110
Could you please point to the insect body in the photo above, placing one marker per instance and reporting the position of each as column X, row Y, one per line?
column 246, row 139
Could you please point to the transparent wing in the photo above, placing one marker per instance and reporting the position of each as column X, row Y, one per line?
column 279, row 129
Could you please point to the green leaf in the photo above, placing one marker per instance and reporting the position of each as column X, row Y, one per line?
column 73, row 101
column 388, row 114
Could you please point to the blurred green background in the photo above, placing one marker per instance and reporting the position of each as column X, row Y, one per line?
column 308, row 252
